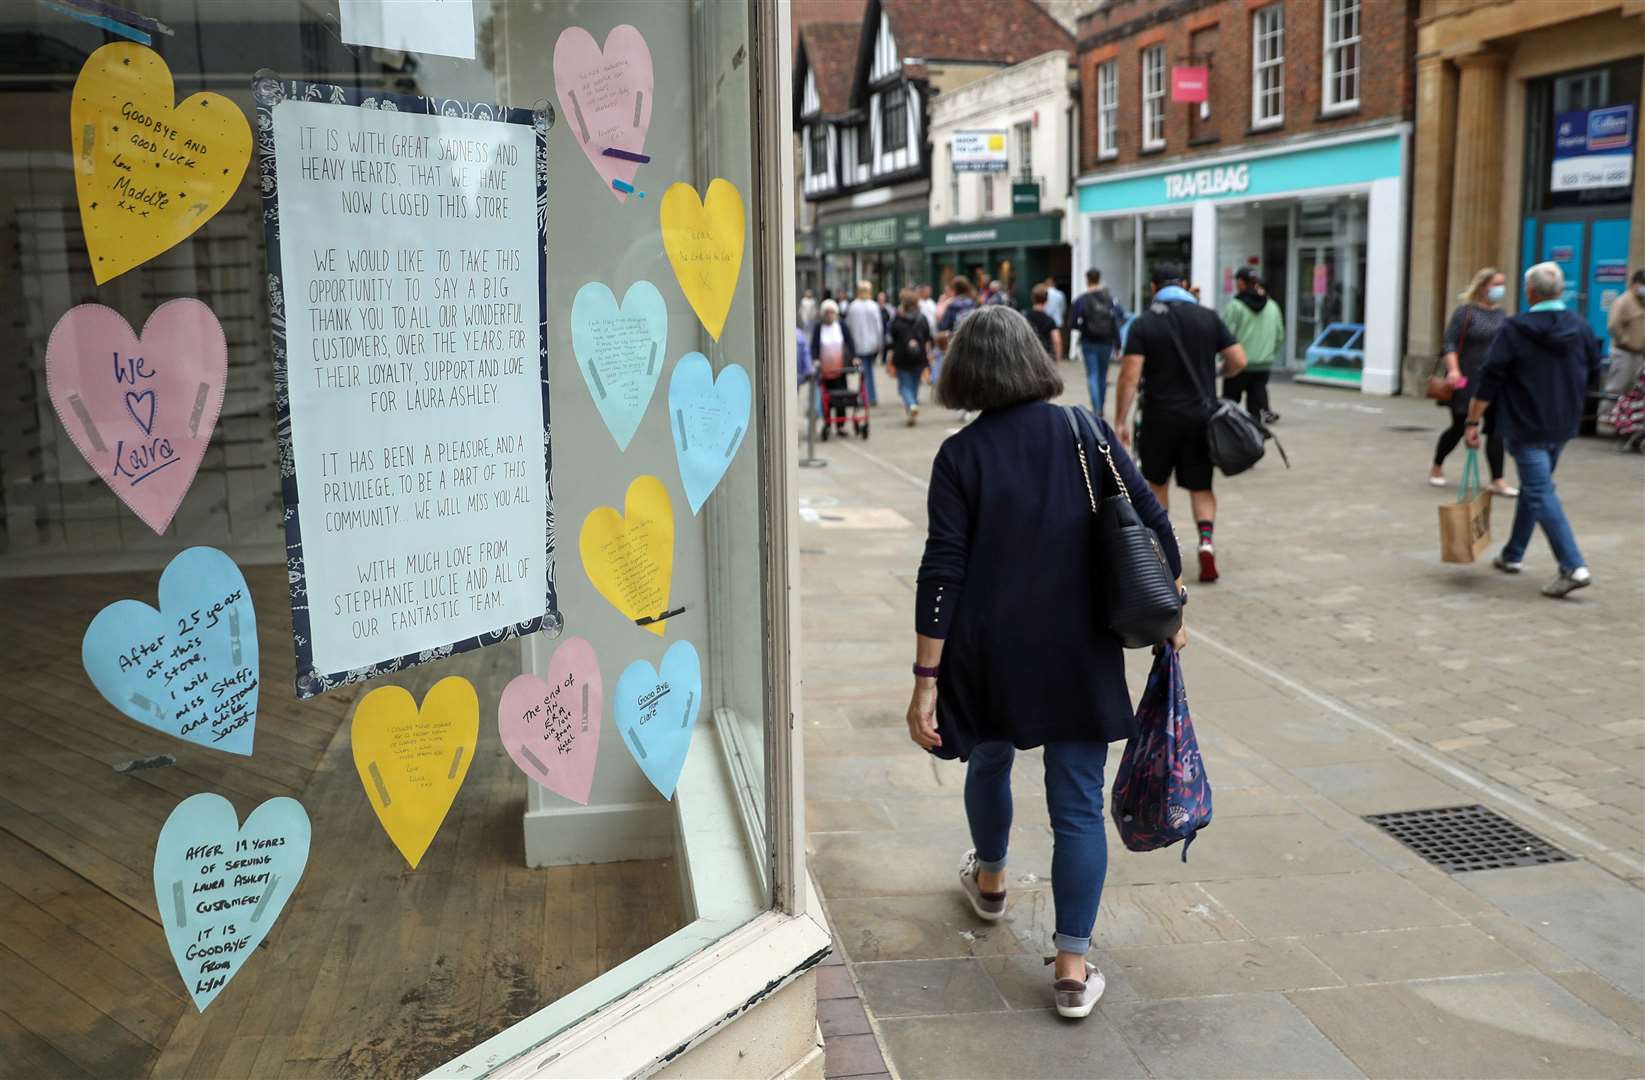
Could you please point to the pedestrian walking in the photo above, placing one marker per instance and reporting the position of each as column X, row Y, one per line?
column 1625, row 325
column 997, row 294
column 867, row 324
column 1536, row 375
column 1468, row 336
column 928, row 308
column 1009, row 654
column 831, row 348
column 1045, row 327
column 939, row 309
column 1172, row 350
column 1258, row 324
column 964, row 302
column 808, row 311
column 1056, row 306
column 909, row 352
column 1097, row 319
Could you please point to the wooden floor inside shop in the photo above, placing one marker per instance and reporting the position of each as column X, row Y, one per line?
column 373, row 970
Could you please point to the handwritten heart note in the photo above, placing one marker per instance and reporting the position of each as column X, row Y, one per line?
column 629, row 557
column 656, row 711
column 620, row 351
column 140, row 409
column 148, row 172
column 189, row 669
column 552, row 729
column 709, row 418
column 220, row 885
column 605, row 97
column 413, row 761
column 704, row 241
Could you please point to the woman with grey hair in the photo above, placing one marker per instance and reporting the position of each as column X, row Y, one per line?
column 1011, row 649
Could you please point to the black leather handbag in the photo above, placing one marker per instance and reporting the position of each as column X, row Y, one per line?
column 1135, row 589
column 1237, row 439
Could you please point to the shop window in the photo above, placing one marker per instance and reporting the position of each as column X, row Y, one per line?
column 1576, row 158
column 1268, row 66
column 1108, row 109
column 1341, row 55
column 371, row 275
column 1153, row 98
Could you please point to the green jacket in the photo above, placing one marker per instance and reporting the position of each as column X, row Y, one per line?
column 1260, row 333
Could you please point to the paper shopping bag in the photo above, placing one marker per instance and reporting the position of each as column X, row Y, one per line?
column 1465, row 525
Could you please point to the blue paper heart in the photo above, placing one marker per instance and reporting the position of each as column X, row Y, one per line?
column 620, row 351
column 189, row 669
column 709, row 418
column 220, row 885
column 134, row 401
column 656, row 713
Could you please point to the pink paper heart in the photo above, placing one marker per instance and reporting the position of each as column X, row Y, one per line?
column 552, row 729
column 605, row 97
column 140, row 409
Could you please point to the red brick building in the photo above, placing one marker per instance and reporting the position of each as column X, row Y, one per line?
column 1290, row 159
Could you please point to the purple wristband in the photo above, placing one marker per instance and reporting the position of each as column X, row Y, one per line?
column 924, row 672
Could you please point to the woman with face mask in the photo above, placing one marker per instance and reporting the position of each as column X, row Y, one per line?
column 1468, row 337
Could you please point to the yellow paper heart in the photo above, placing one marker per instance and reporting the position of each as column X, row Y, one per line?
column 704, row 241
column 630, row 556
column 148, row 173
column 412, row 761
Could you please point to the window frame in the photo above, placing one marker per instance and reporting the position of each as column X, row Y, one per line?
column 1108, row 110
column 817, row 139
column 893, row 99
column 987, row 193
column 1153, row 101
column 1261, row 66
column 1023, row 132
column 865, row 141
column 1335, row 13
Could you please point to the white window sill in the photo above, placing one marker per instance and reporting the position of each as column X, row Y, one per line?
column 1340, row 107
column 1150, row 147
column 1271, row 122
column 1107, row 155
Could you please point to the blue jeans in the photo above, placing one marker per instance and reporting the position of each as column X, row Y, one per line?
column 908, row 387
column 1073, row 794
column 1097, row 356
column 1539, row 505
column 868, row 377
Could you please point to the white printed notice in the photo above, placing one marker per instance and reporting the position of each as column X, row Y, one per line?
column 410, row 260
column 443, row 27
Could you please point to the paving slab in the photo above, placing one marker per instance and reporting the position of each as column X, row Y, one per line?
column 912, row 861
column 1429, row 952
column 1131, row 915
column 1242, row 1035
column 1241, row 847
column 1024, row 980
column 1370, row 900
column 918, row 927
column 1586, row 912
column 1384, row 785
column 1488, row 1026
column 928, row 987
column 1007, row 1046
column 1218, row 967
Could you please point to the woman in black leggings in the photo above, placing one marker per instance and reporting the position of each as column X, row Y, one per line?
column 1468, row 337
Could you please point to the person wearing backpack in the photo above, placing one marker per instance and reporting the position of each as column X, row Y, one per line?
column 1256, row 320
column 1172, row 350
column 1097, row 318
column 909, row 351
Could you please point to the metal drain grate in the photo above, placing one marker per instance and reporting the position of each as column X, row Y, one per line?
column 1461, row 838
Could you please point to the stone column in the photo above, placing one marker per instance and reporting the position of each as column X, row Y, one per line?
column 1477, row 178
column 1432, row 161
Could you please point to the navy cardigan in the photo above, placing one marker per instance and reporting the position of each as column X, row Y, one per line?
column 1009, row 581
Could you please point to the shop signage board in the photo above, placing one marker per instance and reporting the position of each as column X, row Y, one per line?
column 1029, row 230
column 406, row 255
column 979, row 151
column 1594, row 148
column 1190, row 83
column 900, row 230
column 1025, row 197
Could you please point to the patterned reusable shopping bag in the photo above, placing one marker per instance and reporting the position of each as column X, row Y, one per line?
column 1161, row 793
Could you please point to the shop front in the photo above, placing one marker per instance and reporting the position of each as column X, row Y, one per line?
column 1021, row 251
column 884, row 250
column 1322, row 221
column 362, row 720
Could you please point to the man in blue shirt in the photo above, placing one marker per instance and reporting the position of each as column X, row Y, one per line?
column 1536, row 376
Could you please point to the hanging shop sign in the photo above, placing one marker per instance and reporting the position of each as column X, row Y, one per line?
column 406, row 254
column 1594, row 148
column 979, row 151
column 1190, row 84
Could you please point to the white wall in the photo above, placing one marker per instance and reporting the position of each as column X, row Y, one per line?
column 1001, row 101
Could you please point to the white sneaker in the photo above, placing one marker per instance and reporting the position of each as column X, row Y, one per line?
column 1435, row 481
column 1076, row 999
column 1568, row 583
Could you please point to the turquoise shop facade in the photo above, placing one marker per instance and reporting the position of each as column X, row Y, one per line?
column 1323, row 219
